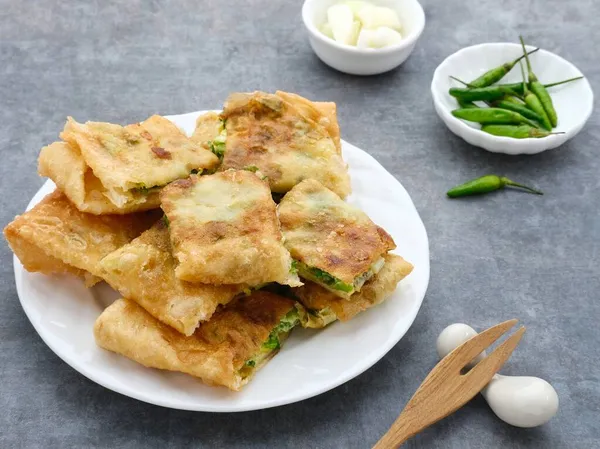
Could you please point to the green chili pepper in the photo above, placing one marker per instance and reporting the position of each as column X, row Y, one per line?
column 486, row 184
column 494, row 75
column 508, row 102
column 490, row 93
column 539, row 90
column 466, row 104
column 513, row 99
column 518, row 87
column 507, row 91
column 516, row 132
column 492, row 115
column 534, row 103
column 513, row 105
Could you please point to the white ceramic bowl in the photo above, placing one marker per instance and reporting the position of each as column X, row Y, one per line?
column 358, row 61
column 573, row 101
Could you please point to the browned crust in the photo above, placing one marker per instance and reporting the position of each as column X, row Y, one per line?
column 56, row 231
column 323, row 231
column 207, row 128
column 64, row 164
column 124, row 157
column 324, row 113
column 374, row 292
column 34, row 259
column 161, row 153
column 214, row 353
column 144, row 271
column 245, row 248
column 286, row 145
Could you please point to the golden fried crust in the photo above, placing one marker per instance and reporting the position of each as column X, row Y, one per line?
column 323, row 231
column 35, row 260
column 216, row 351
column 286, row 145
column 89, row 280
column 207, row 128
column 144, row 271
column 224, row 230
column 375, row 291
column 55, row 237
column 330, row 121
column 64, row 164
column 324, row 113
column 143, row 155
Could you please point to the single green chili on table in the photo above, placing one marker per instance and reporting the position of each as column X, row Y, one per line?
column 539, row 90
column 516, row 131
column 496, row 74
column 534, row 103
column 492, row 115
column 487, row 184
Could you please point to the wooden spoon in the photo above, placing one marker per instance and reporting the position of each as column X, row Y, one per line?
column 447, row 387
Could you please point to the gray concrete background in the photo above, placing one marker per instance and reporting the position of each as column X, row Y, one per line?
column 492, row 258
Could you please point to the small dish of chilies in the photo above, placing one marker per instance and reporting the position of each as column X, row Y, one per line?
column 573, row 101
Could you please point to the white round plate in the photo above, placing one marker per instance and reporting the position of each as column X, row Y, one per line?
column 573, row 101
column 63, row 312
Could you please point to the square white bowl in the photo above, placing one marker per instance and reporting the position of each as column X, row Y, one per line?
column 363, row 61
column 573, row 101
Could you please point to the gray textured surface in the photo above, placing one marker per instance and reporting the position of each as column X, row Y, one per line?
column 501, row 256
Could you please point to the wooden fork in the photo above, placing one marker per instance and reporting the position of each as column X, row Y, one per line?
column 447, row 388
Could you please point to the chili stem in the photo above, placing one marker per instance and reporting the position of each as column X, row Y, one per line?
column 524, row 55
column 508, row 182
column 513, row 93
column 532, row 77
column 558, row 83
column 460, row 81
column 524, row 79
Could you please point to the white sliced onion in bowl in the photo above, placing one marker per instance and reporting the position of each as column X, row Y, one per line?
column 373, row 17
column 379, row 38
column 341, row 20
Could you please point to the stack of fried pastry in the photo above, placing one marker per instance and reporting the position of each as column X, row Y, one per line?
column 219, row 243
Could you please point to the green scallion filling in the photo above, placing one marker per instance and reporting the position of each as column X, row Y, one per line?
column 145, row 190
column 217, row 145
column 273, row 342
column 322, row 277
column 218, row 148
column 285, row 325
column 319, row 318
